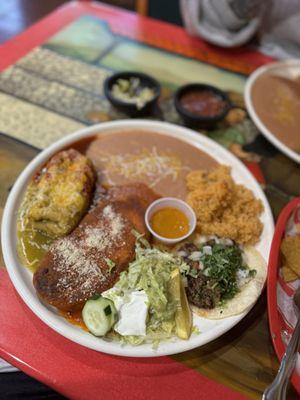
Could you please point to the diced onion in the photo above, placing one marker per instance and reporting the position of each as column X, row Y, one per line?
column 242, row 276
column 225, row 241
column 195, row 255
column 207, row 250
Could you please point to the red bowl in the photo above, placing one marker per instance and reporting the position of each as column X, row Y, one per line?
column 276, row 322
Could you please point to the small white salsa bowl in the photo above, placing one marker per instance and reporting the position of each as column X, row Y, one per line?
column 174, row 203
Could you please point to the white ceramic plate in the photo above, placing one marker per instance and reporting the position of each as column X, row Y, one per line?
column 287, row 69
column 22, row 278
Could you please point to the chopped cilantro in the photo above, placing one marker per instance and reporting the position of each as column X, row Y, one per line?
column 221, row 267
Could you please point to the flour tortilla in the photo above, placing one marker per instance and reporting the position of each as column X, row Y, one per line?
column 248, row 294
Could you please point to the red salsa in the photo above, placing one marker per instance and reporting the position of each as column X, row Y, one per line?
column 203, row 103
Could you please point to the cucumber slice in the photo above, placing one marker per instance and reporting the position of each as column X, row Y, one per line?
column 99, row 315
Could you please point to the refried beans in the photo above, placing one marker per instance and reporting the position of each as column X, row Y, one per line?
column 276, row 101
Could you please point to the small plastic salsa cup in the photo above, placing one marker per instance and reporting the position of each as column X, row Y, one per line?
column 173, row 203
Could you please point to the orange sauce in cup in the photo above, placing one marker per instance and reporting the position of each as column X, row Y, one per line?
column 169, row 222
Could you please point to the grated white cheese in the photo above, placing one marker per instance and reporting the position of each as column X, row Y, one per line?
column 75, row 268
column 76, row 259
column 97, row 238
column 103, row 237
column 148, row 163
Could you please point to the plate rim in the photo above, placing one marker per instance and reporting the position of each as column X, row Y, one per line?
column 250, row 108
column 8, row 234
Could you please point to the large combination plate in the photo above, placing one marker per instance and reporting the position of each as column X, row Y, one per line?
column 161, row 135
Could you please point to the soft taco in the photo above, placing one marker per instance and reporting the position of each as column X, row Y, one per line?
column 224, row 279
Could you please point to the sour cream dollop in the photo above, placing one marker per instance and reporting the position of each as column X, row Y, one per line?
column 132, row 310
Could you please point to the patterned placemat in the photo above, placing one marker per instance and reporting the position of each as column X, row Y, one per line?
column 57, row 88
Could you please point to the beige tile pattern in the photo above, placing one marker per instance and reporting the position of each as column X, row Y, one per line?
column 56, row 67
column 33, row 124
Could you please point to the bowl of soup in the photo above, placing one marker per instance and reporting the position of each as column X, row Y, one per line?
column 272, row 97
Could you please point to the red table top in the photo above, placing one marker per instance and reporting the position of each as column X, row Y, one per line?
column 69, row 368
column 147, row 30
column 80, row 373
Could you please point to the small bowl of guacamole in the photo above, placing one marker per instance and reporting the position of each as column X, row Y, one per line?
column 133, row 93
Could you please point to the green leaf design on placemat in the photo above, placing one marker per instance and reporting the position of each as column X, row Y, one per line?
column 227, row 136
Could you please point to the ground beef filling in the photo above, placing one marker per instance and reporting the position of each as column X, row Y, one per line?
column 201, row 291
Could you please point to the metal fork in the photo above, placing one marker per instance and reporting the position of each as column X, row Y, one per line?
column 277, row 389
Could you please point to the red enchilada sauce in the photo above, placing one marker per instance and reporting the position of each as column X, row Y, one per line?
column 74, row 318
column 203, row 103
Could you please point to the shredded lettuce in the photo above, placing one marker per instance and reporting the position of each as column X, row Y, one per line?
column 150, row 271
